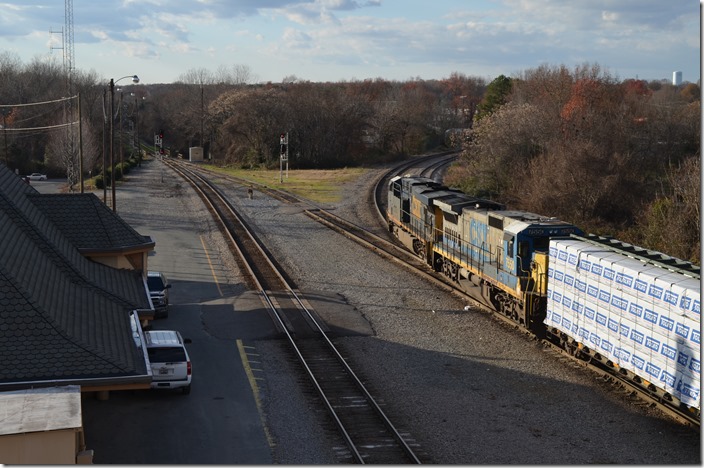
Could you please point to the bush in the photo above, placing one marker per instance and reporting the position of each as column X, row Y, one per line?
column 118, row 172
column 124, row 168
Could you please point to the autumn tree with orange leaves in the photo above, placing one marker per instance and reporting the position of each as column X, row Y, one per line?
column 586, row 148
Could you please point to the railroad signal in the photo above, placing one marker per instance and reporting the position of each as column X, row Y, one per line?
column 283, row 145
column 159, row 142
column 283, row 151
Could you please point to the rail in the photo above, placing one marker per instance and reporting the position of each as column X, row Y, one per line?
column 375, row 446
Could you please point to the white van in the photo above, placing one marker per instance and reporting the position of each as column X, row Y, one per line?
column 170, row 363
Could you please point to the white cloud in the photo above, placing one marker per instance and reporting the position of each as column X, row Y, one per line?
column 609, row 16
column 320, row 39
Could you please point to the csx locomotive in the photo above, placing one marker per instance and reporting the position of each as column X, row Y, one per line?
column 497, row 256
column 634, row 311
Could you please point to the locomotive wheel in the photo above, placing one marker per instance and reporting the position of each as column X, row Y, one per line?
column 455, row 269
column 419, row 248
column 439, row 264
column 450, row 270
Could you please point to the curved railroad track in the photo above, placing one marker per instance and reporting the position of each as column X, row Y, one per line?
column 368, row 433
column 390, row 249
column 631, row 388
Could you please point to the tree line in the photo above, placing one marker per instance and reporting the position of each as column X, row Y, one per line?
column 616, row 157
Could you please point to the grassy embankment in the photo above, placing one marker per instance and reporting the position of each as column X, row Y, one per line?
column 321, row 186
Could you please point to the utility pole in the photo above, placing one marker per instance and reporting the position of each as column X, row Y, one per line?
column 80, row 143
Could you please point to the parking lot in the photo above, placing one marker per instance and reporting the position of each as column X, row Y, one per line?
column 219, row 421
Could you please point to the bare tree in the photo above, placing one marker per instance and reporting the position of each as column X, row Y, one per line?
column 197, row 76
column 234, row 75
column 672, row 222
column 586, row 148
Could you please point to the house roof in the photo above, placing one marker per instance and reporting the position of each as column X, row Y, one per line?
column 63, row 317
column 88, row 223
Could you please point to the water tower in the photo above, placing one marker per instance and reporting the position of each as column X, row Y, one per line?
column 677, row 78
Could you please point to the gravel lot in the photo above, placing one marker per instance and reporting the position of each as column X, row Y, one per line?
column 467, row 388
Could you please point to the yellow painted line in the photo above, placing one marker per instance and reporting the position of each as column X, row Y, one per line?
column 249, row 372
column 255, row 388
column 212, row 270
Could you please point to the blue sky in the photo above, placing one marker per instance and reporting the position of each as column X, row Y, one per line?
column 336, row 40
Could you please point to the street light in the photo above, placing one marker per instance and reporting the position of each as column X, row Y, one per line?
column 135, row 79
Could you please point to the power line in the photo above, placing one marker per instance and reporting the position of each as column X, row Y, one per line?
column 38, row 103
column 48, row 127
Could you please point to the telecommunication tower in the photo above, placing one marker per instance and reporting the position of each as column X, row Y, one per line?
column 73, row 148
column 69, row 52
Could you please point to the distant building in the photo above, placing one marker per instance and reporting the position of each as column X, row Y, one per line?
column 677, row 78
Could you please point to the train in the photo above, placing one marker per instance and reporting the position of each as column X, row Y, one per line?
column 632, row 311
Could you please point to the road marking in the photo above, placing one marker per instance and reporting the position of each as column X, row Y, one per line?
column 255, row 388
column 212, row 270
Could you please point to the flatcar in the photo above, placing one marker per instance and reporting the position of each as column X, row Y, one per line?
column 633, row 311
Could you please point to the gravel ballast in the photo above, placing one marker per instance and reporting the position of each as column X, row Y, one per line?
column 464, row 386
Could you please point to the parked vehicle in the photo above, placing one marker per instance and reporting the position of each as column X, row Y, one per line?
column 159, row 293
column 169, row 360
column 36, row 176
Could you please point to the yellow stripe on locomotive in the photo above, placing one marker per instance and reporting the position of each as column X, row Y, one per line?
column 498, row 255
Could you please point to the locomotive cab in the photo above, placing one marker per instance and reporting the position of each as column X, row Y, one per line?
column 526, row 235
column 526, row 239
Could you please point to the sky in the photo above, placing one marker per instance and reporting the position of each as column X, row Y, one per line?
column 349, row 40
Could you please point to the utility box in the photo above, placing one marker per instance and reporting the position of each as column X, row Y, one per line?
column 42, row 426
column 195, row 154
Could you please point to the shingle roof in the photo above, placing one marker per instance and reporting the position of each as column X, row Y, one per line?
column 62, row 316
column 88, row 223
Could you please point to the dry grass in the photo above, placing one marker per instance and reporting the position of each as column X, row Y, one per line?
column 322, row 186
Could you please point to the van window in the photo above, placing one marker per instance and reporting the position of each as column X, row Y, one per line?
column 167, row 355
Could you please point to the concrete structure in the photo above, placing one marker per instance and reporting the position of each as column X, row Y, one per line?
column 677, row 78
column 195, row 154
column 43, row 427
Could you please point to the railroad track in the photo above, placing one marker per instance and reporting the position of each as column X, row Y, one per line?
column 369, row 435
column 388, row 248
column 631, row 388
column 427, row 166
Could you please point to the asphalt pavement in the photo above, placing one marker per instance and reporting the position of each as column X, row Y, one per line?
column 220, row 421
